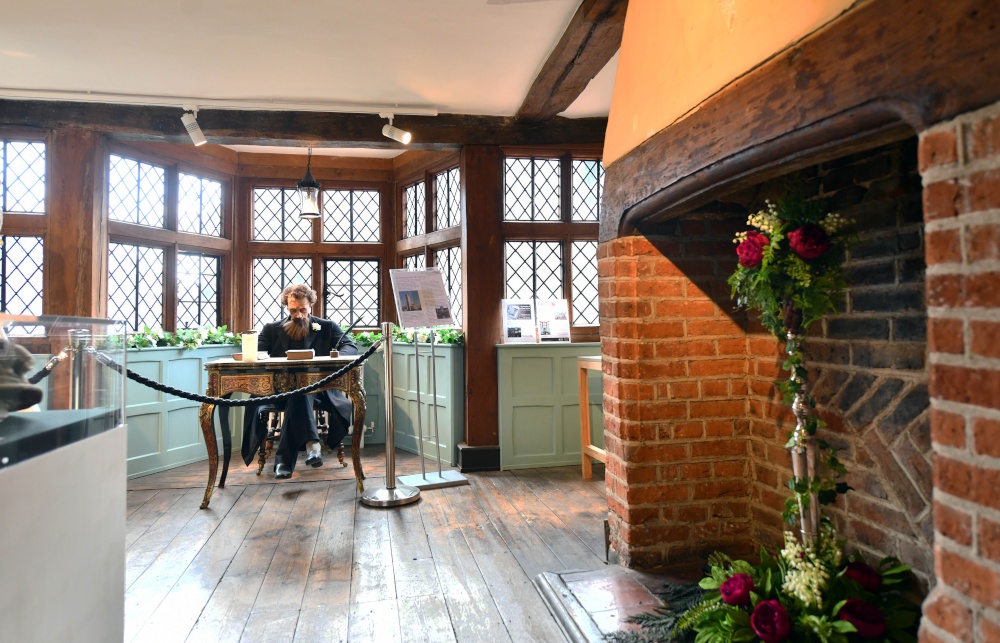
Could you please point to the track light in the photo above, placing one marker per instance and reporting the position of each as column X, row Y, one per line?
column 190, row 120
column 308, row 189
column 396, row 134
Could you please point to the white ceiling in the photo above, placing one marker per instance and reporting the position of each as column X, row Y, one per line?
column 452, row 56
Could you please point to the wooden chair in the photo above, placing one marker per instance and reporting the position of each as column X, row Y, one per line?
column 274, row 418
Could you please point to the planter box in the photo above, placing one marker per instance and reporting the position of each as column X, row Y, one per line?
column 163, row 430
column 540, row 404
column 450, row 368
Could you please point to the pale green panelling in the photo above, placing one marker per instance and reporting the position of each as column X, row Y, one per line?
column 539, row 404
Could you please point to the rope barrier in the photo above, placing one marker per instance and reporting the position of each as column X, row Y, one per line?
column 47, row 369
column 106, row 360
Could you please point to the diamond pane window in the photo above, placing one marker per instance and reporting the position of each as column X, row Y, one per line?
column 200, row 205
column 136, row 192
column 197, row 290
column 270, row 276
column 449, row 262
column 21, row 281
column 588, row 188
column 532, row 190
column 135, row 285
column 351, row 215
column 22, row 177
column 534, row 269
column 415, row 262
column 415, row 209
column 584, row 262
column 352, row 292
column 276, row 216
column 448, row 201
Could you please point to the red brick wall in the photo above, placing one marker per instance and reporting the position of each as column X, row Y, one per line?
column 960, row 165
column 675, row 396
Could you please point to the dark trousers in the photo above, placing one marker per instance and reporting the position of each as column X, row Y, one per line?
column 299, row 426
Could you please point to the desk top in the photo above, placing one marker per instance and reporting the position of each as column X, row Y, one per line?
column 282, row 363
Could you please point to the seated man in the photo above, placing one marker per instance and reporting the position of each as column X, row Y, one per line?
column 300, row 330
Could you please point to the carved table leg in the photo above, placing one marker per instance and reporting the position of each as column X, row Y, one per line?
column 358, row 411
column 340, row 455
column 208, row 431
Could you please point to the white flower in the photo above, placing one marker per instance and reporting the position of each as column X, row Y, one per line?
column 315, row 326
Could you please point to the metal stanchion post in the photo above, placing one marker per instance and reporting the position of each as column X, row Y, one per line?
column 390, row 495
column 78, row 340
column 420, row 427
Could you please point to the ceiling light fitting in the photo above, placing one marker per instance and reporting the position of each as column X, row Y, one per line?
column 396, row 134
column 190, row 120
column 308, row 189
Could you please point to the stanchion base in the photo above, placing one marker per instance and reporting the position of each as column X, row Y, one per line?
column 385, row 497
column 433, row 480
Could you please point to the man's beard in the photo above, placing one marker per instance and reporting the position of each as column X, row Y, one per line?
column 297, row 328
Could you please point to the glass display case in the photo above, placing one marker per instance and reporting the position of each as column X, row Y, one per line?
column 57, row 386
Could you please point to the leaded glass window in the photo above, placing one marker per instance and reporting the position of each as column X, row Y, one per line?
column 352, row 292
column 197, row 290
column 588, row 188
column 584, row 262
column 534, row 269
column 21, row 278
column 414, row 210
column 276, row 216
column 448, row 199
column 270, row 277
column 136, row 192
column 415, row 262
column 449, row 262
column 135, row 285
column 351, row 215
column 22, row 177
column 199, row 209
column 532, row 190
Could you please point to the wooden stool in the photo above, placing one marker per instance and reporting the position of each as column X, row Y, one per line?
column 587, row 450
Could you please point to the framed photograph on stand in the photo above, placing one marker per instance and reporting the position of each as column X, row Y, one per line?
column 518, row 321
column 553, row 320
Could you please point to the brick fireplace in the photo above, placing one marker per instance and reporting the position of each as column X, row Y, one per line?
column 907, row 375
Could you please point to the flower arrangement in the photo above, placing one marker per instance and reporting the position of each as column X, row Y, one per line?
column 189, row 338
column 449, row 336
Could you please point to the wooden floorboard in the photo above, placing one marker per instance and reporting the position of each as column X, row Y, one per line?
column 304, row 560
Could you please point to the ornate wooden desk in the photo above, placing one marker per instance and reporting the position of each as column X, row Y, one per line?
column 267, row 377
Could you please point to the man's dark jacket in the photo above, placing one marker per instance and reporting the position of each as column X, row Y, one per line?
column 274, row 341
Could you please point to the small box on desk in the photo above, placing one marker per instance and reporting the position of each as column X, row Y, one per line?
column 301, row 354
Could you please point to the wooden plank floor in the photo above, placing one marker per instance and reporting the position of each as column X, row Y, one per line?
column 304, row 560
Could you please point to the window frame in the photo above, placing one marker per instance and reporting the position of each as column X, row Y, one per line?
column 565, row 230
column 28, row 224
column 169, row 238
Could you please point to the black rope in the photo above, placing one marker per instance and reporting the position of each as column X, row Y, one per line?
column 105, row 359
column 46, row 370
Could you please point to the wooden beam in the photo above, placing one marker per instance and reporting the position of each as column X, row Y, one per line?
column 298, row 129
column 882, row 71
column 593, row 36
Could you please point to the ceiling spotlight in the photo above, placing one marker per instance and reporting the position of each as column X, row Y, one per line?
column 396, row 134
column 308, row 189
column 190, row 120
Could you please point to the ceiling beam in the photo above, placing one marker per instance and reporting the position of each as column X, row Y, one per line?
column 298, row 129
column 589, row 42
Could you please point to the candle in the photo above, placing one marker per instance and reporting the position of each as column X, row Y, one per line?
column 249, row 342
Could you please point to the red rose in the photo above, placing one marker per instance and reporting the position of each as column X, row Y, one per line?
column 862, row 574
column 770, row 621
column 809, row 241
column 736, row 590
column 751, row 249
column 866, row 618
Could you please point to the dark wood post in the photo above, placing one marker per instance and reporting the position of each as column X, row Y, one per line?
column 483, row 281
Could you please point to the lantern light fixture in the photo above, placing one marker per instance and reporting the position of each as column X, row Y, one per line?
column 308, row 189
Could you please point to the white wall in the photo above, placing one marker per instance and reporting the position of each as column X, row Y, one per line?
column 62, row 544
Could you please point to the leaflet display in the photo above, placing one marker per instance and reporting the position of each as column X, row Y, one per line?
column 553, row 320
column 421, row 298
column 518, row 321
